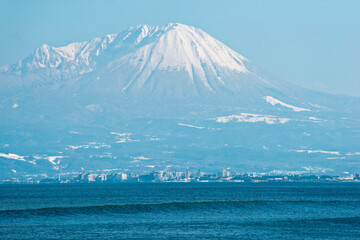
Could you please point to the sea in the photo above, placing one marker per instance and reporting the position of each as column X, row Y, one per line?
column 181, row 211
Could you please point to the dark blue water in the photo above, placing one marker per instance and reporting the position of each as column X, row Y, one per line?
column 181, row 211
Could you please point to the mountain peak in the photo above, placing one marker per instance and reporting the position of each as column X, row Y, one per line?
column 202, row 61
column 169, row 26
column 179, row 26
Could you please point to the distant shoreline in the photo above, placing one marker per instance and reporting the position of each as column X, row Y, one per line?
column 176, row 183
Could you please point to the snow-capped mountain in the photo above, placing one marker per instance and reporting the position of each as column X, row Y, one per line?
column 175, row 47
column 173, row 95
column 175, row 60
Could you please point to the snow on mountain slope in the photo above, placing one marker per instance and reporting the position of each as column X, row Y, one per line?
column 177, row 60
column 12, row 156
column 252, row 118
column 317, row 151
column 71, row 60
column 274, row 101
column 189, row 125
column 184, row 48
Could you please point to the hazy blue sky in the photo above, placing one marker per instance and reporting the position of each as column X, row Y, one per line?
column 315, row 44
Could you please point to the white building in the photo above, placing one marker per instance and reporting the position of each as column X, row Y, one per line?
column 102, row 177
column 91, row 177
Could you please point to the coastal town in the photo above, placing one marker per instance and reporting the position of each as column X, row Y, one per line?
column 187, row 176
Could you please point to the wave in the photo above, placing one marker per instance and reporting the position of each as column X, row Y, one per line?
column 132, row 207
column 352, row 220
column 163, row 206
